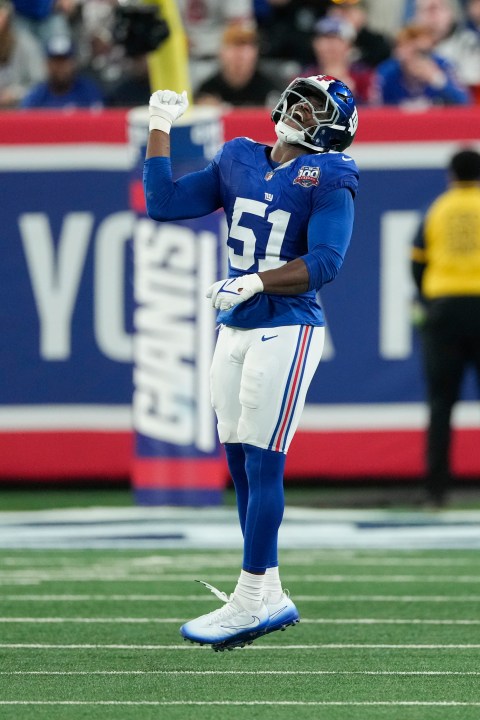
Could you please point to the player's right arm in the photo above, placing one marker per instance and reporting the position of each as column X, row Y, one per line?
column 193, row 195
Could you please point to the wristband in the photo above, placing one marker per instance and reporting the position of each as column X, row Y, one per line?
column 158, row 123
column 257, row 283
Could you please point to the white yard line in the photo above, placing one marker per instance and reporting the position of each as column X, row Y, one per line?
column 207, row 598
column 305, row 621
column 93, row 621
column 212, row 563
column 268, row 648
column 406, row 673
column 66, row 576
column 227, row 703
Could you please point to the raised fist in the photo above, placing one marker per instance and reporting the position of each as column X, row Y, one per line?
column 165, row 107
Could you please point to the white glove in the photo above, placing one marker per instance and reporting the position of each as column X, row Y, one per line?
column 165, row 107
column 226, row 294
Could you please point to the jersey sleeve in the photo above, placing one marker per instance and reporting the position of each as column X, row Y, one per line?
column 338, row 171
column 329, row 232
column 192, row 195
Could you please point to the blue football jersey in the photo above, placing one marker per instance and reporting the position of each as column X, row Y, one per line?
column 268, row 209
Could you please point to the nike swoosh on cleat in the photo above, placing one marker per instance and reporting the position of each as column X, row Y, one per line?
column 269, row 337
column 255, row 621
column 277, row 612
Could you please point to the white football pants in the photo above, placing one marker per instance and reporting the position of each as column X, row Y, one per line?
column 259, row 379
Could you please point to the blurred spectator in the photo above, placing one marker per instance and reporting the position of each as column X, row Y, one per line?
column 21, row 60
column 457, row 40
column 98, row 20
column 43, row 18
column 469, row 51
column 134, row 87
column 417, row 77
column 472, row 16
column 261, row 10
column 287, row 34
column 370, row 48
column 113, row 47
column 72, row 13
column 239, row 81
column 441, row 17
column 140, row 30
column 64, row 87
column 204, row 22
column 332, row 46
column 99, row 53
column 388, row 16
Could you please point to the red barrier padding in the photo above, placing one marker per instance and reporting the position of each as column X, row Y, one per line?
column 370, row 453
column 51, row 455
column 179, row 473
column 110, row 126
column 35, row 127
column 375, row 125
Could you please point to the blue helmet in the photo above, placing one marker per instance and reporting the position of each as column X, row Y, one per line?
column 336, row 121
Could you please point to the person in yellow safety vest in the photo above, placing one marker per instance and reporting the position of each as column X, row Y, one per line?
column 446, row 271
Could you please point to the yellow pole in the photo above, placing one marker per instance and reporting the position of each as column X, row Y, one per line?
column 168, row 65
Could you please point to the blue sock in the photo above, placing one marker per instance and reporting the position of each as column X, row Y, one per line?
column 266, row 503
column 236, row 464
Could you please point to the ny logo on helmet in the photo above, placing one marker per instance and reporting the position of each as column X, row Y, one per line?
column 353, row 123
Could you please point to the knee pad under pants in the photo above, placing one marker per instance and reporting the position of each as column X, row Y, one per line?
column 259, row 380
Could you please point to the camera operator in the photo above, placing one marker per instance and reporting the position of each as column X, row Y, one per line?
column 138, row 30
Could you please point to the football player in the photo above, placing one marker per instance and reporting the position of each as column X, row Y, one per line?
column 290, row 211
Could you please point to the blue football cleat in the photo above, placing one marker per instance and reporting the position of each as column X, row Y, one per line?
column 281, row 614
column 233, row 627
column 228, row 627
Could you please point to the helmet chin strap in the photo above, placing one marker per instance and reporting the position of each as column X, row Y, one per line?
column 287, row 134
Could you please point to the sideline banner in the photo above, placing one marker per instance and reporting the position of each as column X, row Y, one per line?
column 66, row 300
column 177, row 457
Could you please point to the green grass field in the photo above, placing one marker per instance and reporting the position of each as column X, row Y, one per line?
column 94, row 634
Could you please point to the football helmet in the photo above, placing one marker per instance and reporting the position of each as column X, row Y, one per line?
column 334, row 123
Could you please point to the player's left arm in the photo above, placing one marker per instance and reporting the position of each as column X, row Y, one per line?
column 329, row 232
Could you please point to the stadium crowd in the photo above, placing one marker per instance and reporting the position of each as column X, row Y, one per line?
column 93, row 53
